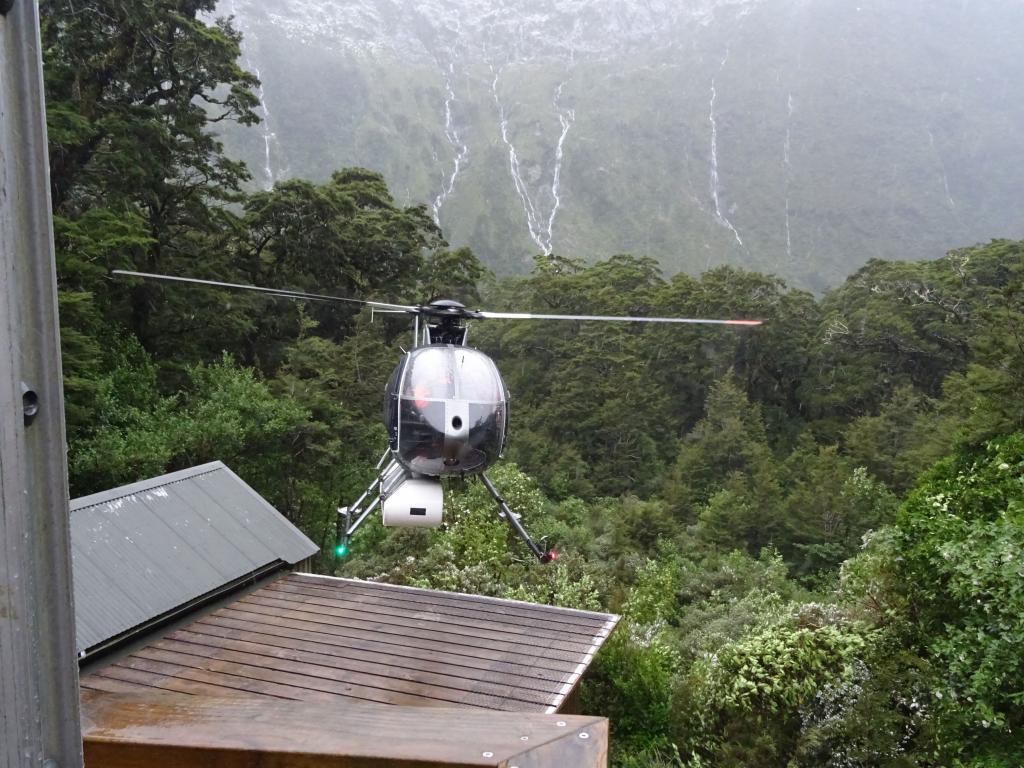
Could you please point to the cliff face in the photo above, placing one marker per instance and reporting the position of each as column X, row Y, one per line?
column 796, row 136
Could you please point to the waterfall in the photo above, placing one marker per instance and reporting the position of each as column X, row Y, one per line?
column 269, row 137
column 513, row 167
column 460, row 148
column 566, row 117
column 721, row 217
column 785, row 160
column 541, row 231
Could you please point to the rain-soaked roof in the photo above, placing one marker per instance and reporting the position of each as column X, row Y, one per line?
column 324, row 639
column 144, row 550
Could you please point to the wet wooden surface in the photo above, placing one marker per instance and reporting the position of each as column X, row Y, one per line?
column 160, row 729
column 311, row 638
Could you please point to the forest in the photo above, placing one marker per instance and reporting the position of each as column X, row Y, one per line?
column 813, row 529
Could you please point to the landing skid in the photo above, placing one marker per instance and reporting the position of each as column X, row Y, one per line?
column 544, row 556
column 390, row 479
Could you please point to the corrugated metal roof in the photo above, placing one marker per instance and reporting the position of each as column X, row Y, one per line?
column 318, row 638
column 143, row 550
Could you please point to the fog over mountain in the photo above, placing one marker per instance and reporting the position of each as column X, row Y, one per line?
column 801, row 137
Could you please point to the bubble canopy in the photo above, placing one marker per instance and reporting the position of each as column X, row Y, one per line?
column 446, row 411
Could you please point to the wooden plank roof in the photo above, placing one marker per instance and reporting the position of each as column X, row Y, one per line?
column 317, row 638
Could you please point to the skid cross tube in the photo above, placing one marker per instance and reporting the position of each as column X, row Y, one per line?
column 350, row 528
column 346, row 526
column 513, row 521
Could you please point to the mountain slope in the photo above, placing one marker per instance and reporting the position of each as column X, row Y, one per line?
column 795, row 136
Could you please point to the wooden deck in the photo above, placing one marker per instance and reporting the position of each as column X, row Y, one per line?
column 319, row 639
column 166, row 730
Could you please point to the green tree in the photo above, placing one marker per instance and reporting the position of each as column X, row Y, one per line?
column 829, row 505
column 451, row 274
column 728, row 442
column 632, row 677
column 225, row 412
column 345, row 236
column 581, row 386
column 894, row 324
column 944, row 583
column 137, row 178
column 769, row 363
column 744, row 704
column 724, row 595
column 899, row 442
column 959, row 537
column 984, row 401
column 130, row 91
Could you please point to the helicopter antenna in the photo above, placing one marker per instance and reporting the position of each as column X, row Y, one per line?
column 281, row 293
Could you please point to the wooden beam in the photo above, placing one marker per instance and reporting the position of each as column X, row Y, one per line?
column 154, row 730
column 38, row 674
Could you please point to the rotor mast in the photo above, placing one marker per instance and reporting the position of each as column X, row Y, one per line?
column 446, row 321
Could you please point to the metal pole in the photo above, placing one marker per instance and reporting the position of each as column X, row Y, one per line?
column 39, row 715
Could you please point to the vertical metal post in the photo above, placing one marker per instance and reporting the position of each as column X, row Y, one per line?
column 39, row 716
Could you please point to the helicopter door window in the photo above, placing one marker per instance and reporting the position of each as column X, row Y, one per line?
column 478, row 379
column 431, row 376
column 391, row 403
column 421, row 438
column 487, row 429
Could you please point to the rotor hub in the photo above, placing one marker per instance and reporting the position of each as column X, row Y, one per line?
column 448, row 310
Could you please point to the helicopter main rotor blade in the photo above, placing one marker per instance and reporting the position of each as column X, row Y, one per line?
column 279, row 292
column 616, row 318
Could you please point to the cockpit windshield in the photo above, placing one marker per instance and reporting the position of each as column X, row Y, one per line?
column 451, row 373
column 446, row 411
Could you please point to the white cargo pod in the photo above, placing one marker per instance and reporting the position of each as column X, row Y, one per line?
column 415, row 503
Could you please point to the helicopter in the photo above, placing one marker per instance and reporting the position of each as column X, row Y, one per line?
column 445, row 410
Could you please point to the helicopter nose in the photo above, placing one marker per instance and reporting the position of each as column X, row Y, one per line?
column 456, row 421
column 456, row 431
